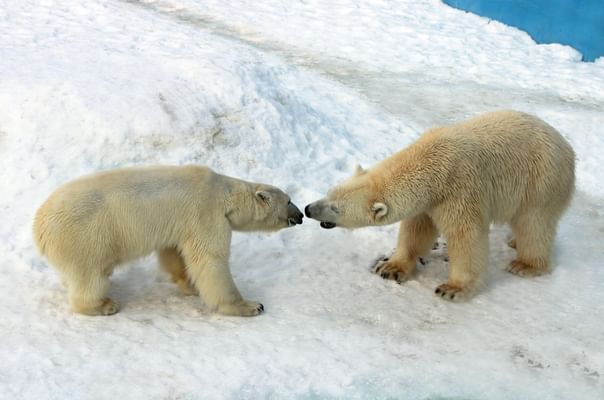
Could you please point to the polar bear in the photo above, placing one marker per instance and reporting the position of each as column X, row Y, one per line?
column 501, row 167
column 185, row 213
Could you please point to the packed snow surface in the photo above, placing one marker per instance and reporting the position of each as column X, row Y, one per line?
column 292, row 93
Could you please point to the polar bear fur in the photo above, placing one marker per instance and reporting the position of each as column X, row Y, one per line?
column 90, row 225
column 501, row 167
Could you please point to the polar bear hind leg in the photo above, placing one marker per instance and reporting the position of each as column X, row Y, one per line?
column 87, row 288
column 534, row 232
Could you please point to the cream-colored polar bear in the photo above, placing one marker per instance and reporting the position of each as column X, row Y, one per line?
column 500, row 167
column 90, row 225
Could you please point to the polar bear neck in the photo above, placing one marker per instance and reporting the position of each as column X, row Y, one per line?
column 237, row 194
column 413, row 179
column 241, row 207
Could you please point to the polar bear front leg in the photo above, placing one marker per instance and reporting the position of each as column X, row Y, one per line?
column 468, row 258
column 415, row 238
column 209, row 271
column 172, row 262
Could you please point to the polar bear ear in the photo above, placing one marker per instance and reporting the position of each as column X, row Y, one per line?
column 263, row 196
column 359, row 170
column 379, row 210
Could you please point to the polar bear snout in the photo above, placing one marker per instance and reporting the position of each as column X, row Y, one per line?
column 294, row 215
column 319, row 211
column 312, row 210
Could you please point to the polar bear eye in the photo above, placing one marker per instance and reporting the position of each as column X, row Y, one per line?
column 334, row 209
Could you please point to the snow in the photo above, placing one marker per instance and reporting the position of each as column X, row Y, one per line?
column 292, row 93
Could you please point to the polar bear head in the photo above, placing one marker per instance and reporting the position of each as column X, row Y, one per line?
column 263, row 208
column 354, row 203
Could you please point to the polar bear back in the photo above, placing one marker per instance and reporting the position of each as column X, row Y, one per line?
column 99, row 208
column 504, row 160
column 518, row 160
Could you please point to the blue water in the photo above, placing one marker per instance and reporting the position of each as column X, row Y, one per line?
column 577, row 23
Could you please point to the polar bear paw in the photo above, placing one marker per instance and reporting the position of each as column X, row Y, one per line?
column 104, row 306
column 109, row 307
column 186, row 288
column 451, row 292
column 523, row 269
column 393, row 270
column 243, row 308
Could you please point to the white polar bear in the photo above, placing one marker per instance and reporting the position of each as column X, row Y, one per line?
column 90, row 225
column 500, row 167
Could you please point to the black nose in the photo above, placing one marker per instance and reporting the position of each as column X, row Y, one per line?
column 298, row 216
column 294, row 214
column 307, row 211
